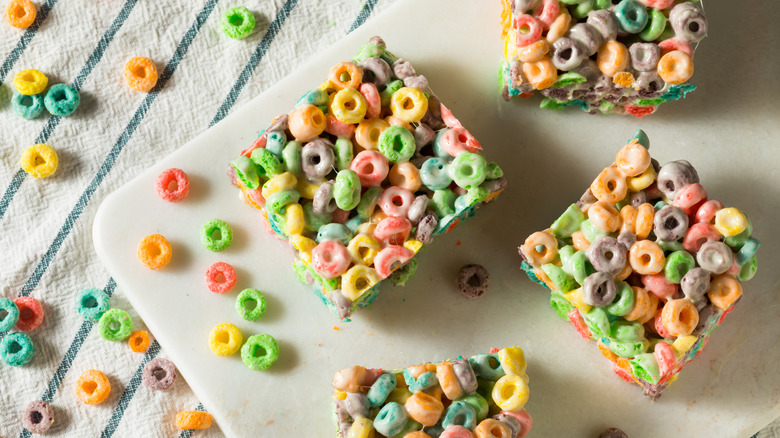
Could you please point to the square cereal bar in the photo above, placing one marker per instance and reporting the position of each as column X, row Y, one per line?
column 624, row 57
column 481, row 396
column 644, row 264
column 362, row 174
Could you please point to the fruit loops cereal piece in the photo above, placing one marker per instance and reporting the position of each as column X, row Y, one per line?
column 39, row 160
column 642, row 265
column 16, row 349
column 225, row 339
column 238, row 22
column 29, row 82
column 220, row 277
column 619, row 56
column 115, row 325
column 20, row 13
column 613, row 432
column 173, row 185
column 216, row 235
column 92, row 304
column 159, row 373
column 139, row 341
column 61, row 100
column 30, row 314
column 154, row 251
column 465, row 397
column 473, row 281
column 362, row 174
column 38, row 417
column 93, row 387
column 28, row 107
column 193, row 420
column 141, row 74
column 260, row 352
column 9, row 314
column 250, row 304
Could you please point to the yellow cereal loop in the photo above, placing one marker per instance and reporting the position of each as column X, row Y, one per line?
column 349, row 106
column 339, row 395
column 730, row 221
column 409, row 104
column 361, row 428
column 413, row 245
column 368, row 132
column 294, row 219
column 31, row 81
column 39, row 160
column 225, row 339
column 399, row 395
column 624, row 79
column 307, row 189
column 327, row 87
column 284, row 181
column 366, row 228
column 683, row 343
column 303, row 245
column 363, row 248
column 577, row 298
column 510, row 393
column 357, row 280
column 642, row 181
column 513, row 361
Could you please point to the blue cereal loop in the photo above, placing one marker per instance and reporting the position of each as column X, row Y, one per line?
column 92, row 304
column 28, row 107
column 61, row 100
column 9, row 314
column 17, row 349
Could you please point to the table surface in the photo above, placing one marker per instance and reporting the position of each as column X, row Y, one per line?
column 729, row 134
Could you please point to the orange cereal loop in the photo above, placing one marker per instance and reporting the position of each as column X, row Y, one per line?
column 139, row 341
column 345, row 75
column 606, row 352
column 644, row 220
column 93, row 387
column 641, row 304
column 604, row 216
column 633, row 159
column 424, row 409
column 154, row 251
column 306, row 123
column 395, row 121
column 612, row 58
column 646, row 257
column 579, row 241
column 20, row 13
column 609, row 186
column 679, row 317
column 417, row 434
column 545, row 279
column 491, row 428
column 623, row 274
column 406, row 176
column 192, row 420
column 724, row 291
column 542, row 73
column 652, row 309
column 675, row 67
column 141, row 74
column 628, row 219
column 540, row 248
column 448, row 381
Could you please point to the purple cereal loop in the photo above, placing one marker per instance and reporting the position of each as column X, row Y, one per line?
column 670, row 223
column 403, row 69
column 599, row 289
column 417, row 209
column 590, row 70
column 644, row 56
column 379, row 70
column 688, row 22
column 159, row 373
column 567, row 54
column 342, row 304
column 708, row 315
column 675, row 176
column 522, row 6
column 426, row 227
column 494, row 185
column 635, row 199
column 465, row 375
column 38, row 417
column 613, row 432
column 586, row 199
column 324, row 202
column 606, row 254
column 278, row 124
column 423, row 135
column 514, row 426
column 604, row 22
column 695, row 284
column 627, row 239
column 317, row 158
column 432, row 117
column 588, row 36
column 356, row 404
column 715, row 257
column 420, row 82
column 473, row 281
column 649, row 81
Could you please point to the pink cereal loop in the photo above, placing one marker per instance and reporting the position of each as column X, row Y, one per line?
column 525, row 420
column 689, row 198
column 258, row 143
column 706, row 212
column 390, row 258
column 225, row 283
column 534, row 27
column 673, row 44
column 658, row 285
column 330, row 259
column 396, row 201
column 393, row 230
column 371, row 168
column 657, row 4
column 665, row 356
column 256, row 196
column 340, row 216
column 659, row 327
column 458, row 140
column 169, row 177
column 449, row 120
column 371, row 94
column 547, row 12
column 699, row 234
column 456, row 431
column 579, row 323
column 337, row 127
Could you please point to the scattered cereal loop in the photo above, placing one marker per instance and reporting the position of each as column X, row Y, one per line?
column 30, row 82
column 141, row 74
column 193, row 420
column 220, row 278
column 30, row 314
column 38, row 417
column 61, row 100
column 115, row 325
column 250, row 304
column 154, row 251
column 93, row 387
column 216, row 235
column 27, row 106
column 159, row 374
column 20, row 13
column 39, row 161
column 173, row 185
column 139, row 341
column 260, row 352
column 238, row 22
column 92, row 304
column 16, row 349
column 225, row 339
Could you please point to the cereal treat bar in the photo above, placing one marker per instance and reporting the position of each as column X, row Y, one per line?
column 362, row 174
column 482, row 396
column 609, row 56
column 644, row 264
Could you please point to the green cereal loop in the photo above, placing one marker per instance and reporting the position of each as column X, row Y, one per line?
column 579, row 266
column 275, row 203
column 677, row 265
column 443, row 202
column 397, row 144
column 92, row 304
column 485, row 386
column 748, row 270
column 343, row 150
column 346, row 190
column 561, row 305
column 624, row 302
column 17, row 349
column 624, row 331
column 628, row 349
column 291, row 156
column 602, row 4
column 207, row 235
column 115, row 325
column 645, row 366
column 300, row 269
column 551, row 104
column 562, row 281
column 591, row 231
column 479, row 404
column 368, row 202
column 8, row 321
column 569, row 222
column 268, row 165
column 569, row 78
column 597, row 321
column 369, row 50
column 740, row 239
column 667, row 33
column 471, row 198
column 246, row 172
column 468, row 170
column 641, row 138
column 61, row 100
column 655, row 26
column 313, row 220
column 238, row 22
column 582, row 9
column 670, row 245
column 244, row 307
column 259, row 352
column 314, row 97
column 493, row 171
column 404, row 273
column 387, row 93
column 410, row 426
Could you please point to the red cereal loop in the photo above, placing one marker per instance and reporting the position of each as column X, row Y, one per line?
column 220, row 277
column 576, row 320
column 623, row 374
column 30, row 314
column 639, row 111
column 173, row 185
